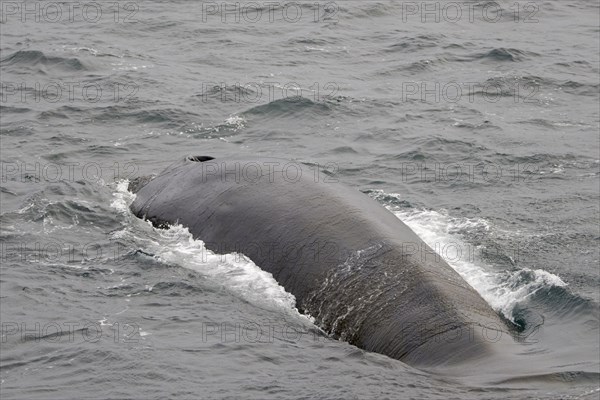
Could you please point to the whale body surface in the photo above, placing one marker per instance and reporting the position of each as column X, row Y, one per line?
column 356, row 268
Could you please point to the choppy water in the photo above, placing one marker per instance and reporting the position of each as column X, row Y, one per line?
column 479, row 130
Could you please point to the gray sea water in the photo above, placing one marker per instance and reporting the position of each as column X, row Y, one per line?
column 476, row 123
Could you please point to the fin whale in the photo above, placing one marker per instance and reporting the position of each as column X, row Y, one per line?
column 356, row 268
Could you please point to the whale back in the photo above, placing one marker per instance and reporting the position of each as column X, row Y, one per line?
column 355, row 267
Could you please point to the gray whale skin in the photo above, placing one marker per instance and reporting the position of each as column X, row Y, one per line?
column 356, row 268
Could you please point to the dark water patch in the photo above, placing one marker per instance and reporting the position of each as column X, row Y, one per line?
column 442, row 144
column 310, row 41
column 158, row 290
column 7, row 191
column 52, row 115
column 500, row 54
column 51, row 207
column 558, row 378
column 65, row 140
column 105, row 150
column 476, row 127
column 414, row 67
column 344, row 150
column 7, row 365
column 158, row 25
column 176, row 288
column 422, row 65
column 410, row 155
column 458, row 46
column 558, row 302
column 370, row 9
column 508, row 54
column 18, row 130
column 577, row 88
column 155, row 304
column 28, row 59
column 543, row 159
column 291, row 107
column 569, row 64
column 171, row 117
column 13, row 110
column 416, row 43
column 141, row 113
column 527, row 88
column 538, row 122
column 62, row 112
column 125, row 289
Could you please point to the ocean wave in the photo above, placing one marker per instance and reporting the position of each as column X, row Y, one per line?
column 35, row 58
column 294, row 106
column 499, row 54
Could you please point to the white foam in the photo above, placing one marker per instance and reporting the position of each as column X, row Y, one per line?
column 236, row 271
column 502, row 290
column 235, row 121
column 122, row 197
column 176, row 246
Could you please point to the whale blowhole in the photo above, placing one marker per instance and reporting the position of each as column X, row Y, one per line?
column 199, row 158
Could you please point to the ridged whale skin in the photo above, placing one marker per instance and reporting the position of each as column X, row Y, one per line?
column 356, row 268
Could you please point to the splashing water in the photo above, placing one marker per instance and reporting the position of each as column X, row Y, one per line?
column 502, row 290
column 177, row 246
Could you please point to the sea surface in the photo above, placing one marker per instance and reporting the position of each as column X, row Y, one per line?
column 476, row 123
